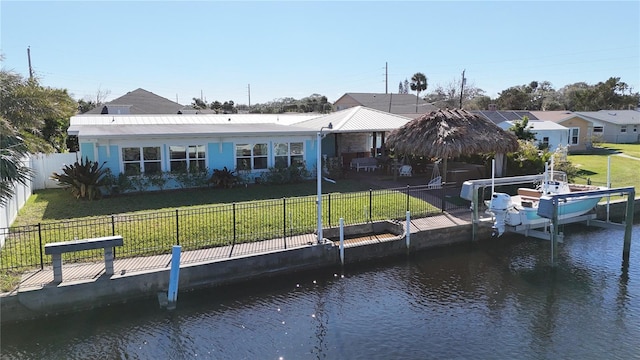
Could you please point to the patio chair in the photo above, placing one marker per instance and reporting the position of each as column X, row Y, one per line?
column 405, row 170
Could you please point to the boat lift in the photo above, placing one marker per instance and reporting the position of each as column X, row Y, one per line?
column 548, row 208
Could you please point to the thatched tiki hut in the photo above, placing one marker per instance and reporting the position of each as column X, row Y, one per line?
column 446, row 134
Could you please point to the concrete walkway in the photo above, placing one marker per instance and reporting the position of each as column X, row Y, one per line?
column 87, row 272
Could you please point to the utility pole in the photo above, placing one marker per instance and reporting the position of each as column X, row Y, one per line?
column 249, row 92
column 462, row 87
column 29, row 58
column 386, row 77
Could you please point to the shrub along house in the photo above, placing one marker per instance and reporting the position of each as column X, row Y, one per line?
column 249, row 144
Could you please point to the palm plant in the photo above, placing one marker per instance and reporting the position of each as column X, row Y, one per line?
column 84, row 179
column 12, row 151
column 418, row 84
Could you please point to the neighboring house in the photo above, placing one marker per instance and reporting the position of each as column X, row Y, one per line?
column 399, row 104
column 580, row 128
column 614, row 126
column 138, row 102
column 546, row 132
column 251, row 143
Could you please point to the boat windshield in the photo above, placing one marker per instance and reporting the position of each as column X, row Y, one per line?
column 559, row 176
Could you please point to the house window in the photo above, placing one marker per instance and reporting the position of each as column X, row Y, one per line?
column 251, row 156
column 287, row 154
column 574, row 136
column 545, row 141
column 138, row 160
column 183, row 158
column 623, row 128
column 598, row 129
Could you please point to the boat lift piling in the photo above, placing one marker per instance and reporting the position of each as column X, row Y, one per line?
column 548, row 208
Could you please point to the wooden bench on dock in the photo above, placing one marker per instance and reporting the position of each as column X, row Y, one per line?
column 58, row 248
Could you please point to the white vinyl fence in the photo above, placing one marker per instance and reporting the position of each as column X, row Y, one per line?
column 43, row 166
column 9, row 211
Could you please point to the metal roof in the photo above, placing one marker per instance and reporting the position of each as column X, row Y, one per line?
column 186, row 125
column 540, row 125
column 186, row 130
column 357, row 119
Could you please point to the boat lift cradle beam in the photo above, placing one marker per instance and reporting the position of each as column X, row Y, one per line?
column 548, row 208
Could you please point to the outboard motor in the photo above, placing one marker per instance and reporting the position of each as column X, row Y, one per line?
column 499, row 205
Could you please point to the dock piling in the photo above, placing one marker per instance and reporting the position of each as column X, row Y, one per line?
column 172, row 295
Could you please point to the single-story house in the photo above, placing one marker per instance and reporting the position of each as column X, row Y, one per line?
column 547, row 133
column 399, row 104
column 614, row 126
column 147, row 144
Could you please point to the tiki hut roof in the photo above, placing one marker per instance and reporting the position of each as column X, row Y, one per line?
column 451, row 133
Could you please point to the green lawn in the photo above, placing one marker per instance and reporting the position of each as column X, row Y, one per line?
column 57, row 204
column 624, row 171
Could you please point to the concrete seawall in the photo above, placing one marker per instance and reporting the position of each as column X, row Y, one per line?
column 120, row 288
column 425, row 234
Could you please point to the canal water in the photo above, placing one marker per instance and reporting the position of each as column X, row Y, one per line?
column 497, row 299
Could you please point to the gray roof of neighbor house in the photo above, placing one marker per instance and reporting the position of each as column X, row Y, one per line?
column 144, row 126
column 356, row 119
column 618, row 117
column 393, row 103
column 138, row 101
column 499, row 116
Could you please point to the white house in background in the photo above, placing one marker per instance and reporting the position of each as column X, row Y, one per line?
column 253, row 143
column 547, row 133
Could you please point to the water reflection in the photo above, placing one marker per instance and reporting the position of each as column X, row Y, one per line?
column 493, row 299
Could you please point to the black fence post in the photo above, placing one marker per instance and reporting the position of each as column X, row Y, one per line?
column 177, row 229
column 284, row 221
column 329, row 208
column 40, row 241
column 442, row 192
column 113, row 233
column 234, row 224
column 370, row 202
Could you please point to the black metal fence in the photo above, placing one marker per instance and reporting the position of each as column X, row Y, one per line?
column 153, row 233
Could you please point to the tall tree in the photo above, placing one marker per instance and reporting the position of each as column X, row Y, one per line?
column 448, row 96
column 418, row 84
column 39, row 115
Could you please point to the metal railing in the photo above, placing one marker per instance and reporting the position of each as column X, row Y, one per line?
column 154, row 233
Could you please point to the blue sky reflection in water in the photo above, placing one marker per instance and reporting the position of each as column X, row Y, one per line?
column 496, row 300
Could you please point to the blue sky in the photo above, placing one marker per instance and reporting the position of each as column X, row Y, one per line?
column 294, row 49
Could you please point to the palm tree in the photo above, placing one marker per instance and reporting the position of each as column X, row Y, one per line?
column 418, row 83
column 12, row 151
